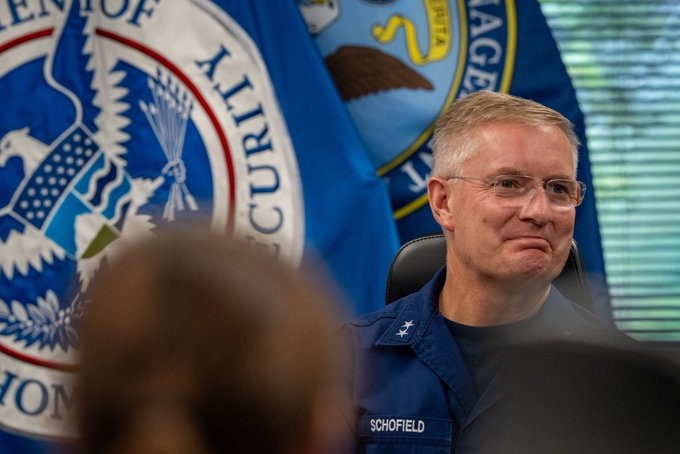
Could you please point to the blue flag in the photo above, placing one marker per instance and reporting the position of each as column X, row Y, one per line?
column 122, row 117
column 399, row 64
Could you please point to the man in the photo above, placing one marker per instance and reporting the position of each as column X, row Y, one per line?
column 427, row 374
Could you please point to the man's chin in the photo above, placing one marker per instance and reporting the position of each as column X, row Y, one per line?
column 529, row 243
column 532, row 263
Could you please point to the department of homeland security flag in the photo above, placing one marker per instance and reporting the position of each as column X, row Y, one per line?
column 398, row 64
column 120, row 117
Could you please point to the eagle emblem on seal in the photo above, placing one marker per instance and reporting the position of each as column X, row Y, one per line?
column 74, row 201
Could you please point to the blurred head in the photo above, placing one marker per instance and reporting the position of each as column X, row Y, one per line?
column 198, row 343
column 485, row 145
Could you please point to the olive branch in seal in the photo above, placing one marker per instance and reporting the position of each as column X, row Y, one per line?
column 44, row 322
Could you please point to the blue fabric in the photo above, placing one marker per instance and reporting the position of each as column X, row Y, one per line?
column 407, row 366
column 349, row 225
column 54, row 91
column 395, row 97
column 15, row 443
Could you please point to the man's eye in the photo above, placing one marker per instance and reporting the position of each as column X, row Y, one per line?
column 507, row 183
column 557, row 187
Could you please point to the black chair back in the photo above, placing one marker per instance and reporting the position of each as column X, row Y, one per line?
column 418, row 260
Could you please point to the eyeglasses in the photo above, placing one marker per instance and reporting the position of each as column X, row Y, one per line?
column 560, row 192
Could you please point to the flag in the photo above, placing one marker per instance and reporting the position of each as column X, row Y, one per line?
column 399, row 64
column 122, row 117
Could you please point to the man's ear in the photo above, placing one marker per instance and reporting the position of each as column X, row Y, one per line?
column 440, row 202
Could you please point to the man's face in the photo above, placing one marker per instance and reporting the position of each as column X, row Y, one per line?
column 526, row 239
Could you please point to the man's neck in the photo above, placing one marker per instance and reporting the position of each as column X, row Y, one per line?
column 490, row 303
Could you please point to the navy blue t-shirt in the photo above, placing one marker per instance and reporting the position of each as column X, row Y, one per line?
column 483, row 347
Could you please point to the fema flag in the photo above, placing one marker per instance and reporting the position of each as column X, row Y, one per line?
column 398, row 64
column 120, row 117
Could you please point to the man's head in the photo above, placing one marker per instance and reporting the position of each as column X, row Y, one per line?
column 196, row 341
column 504, row 188
column 454, row 136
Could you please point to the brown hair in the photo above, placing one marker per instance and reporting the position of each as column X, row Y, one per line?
column 453, row 140
column 198, row 343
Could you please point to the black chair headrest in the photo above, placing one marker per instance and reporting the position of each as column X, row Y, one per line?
column 417, row 260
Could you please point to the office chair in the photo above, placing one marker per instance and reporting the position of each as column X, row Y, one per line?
column 417, row 260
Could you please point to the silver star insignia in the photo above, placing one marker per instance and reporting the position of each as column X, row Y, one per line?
column 408, row 324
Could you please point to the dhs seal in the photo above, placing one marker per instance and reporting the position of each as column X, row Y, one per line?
column 113, row 125
column 398, row 64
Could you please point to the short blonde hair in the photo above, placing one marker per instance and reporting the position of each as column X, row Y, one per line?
column 453, row 141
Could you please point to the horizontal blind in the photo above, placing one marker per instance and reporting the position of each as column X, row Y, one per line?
column 624, row 60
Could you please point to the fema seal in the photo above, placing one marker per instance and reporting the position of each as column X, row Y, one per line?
column 399, row 64
column 114, row 126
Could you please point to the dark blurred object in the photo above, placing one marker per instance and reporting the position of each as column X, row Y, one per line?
column 579, row 398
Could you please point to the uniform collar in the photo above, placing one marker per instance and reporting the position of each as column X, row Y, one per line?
column 415, row 313
column 419, row 324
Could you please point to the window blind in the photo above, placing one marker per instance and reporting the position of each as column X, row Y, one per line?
column 624, row 60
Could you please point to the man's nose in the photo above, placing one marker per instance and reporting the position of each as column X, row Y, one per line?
column 537, row 206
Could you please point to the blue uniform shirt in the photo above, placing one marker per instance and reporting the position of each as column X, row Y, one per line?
column 409, row 382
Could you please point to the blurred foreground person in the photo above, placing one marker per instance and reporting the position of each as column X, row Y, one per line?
column 195, row 343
